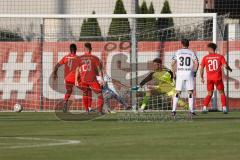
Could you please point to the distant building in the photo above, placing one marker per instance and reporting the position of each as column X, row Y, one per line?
column 231, row 7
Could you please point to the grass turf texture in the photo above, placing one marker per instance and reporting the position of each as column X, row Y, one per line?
column 208, row 137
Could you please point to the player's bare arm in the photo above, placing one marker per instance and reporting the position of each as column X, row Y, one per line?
column 55, row 70
column 227, row 67
column 147, row 79
column 196, row 66
column 173, row 68
column 202, row 73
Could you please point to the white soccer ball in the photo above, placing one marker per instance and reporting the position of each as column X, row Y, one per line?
column 17, row 108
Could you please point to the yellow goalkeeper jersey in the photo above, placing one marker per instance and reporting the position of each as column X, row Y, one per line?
column 163, row 80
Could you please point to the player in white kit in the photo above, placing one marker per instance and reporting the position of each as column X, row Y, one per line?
column 184, row 67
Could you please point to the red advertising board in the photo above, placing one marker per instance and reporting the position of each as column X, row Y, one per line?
column 26, row 69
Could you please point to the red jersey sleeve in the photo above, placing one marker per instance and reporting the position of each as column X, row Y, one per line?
column 223, row 60
column 203, row 63
column 63, row 60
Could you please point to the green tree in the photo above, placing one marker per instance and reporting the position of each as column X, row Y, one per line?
column 119, row 26
column 151, row 25
column 142, row 22
column 164, row 23
column 151, row 22
column 90, row 30
column 6, row 35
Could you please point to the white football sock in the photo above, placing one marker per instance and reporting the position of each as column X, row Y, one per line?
column 224, row 108
column 175, row 101
column 190, row 102
column 204, row 108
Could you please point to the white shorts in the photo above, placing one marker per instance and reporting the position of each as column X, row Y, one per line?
column 182, row 83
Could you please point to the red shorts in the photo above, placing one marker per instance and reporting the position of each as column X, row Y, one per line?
column 69, row 85
column 95, row 86
column 69, row 81
column 218, row 83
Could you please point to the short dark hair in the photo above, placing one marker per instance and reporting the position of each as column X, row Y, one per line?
column 212, row 45
column 157, row 60
column 73, row 47
column 185, row 42
column 88, row 46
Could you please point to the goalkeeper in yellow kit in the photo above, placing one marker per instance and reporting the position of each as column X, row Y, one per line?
column 163, row 84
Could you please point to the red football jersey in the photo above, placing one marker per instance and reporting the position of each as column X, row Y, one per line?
column 213, row 63
column 89, row 64
column 70, row 64
column 83, row 71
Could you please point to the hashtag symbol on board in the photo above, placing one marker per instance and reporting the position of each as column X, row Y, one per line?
column 23, row 85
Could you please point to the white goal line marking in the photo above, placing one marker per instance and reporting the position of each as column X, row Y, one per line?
column 56, row 142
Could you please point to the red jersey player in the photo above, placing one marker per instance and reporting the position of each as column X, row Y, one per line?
column 70, row 64
column 89, row 68
column 213, row 63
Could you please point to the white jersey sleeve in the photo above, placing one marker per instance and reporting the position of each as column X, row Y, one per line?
column 107, row 78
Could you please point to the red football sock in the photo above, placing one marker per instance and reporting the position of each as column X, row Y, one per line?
column 85, row 100
column 69, row 92
column 89, row 95
column 207, row 100
column 67, row 96
column 100, row 102
column 223, row 99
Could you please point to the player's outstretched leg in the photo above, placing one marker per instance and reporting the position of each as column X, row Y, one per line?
column 67, row 96
column 207, row 101
column 223, row 100
column 95, row 86
column 175, row 102
column 89, row 101
column 85, row 100
column 107, row 108
column 191, row 101
column 144, row 102
column 120, row 100
column 100, row 103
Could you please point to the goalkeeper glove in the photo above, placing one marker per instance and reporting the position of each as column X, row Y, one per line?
column 135, row 88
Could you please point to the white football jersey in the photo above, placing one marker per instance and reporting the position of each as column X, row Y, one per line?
column 185, row 62
column 106, row 78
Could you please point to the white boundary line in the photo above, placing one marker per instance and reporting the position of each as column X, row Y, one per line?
column 56, row 142
column 80, row 111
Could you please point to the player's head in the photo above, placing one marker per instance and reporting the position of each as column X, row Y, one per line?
column 211, row 47
column 88, row 47
column 157, row 63
column 73, row 48
column 185, row 43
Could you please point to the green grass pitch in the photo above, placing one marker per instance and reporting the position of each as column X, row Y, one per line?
column 42, row 136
